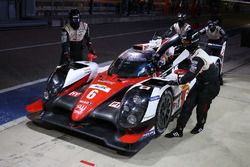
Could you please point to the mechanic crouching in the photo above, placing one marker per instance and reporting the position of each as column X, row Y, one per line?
column 206, row 88
column 73, row 35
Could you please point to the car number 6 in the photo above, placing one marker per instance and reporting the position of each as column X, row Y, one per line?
column 92, row 94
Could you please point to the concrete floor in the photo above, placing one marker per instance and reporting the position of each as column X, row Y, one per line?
column 223, row 143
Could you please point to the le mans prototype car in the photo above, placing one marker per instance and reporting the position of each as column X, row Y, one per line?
column 125, row 105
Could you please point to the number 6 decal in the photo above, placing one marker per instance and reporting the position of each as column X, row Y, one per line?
column 92, row 94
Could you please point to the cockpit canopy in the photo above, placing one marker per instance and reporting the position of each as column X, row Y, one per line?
column 132, row 63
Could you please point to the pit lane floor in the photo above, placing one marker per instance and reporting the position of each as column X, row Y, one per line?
column 224, row 142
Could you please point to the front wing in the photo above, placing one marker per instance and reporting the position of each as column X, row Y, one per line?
column 96, row 129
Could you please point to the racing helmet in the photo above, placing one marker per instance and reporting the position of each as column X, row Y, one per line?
column 74, row 18
column 211, row 25
column 190, row 40
column 181, row 19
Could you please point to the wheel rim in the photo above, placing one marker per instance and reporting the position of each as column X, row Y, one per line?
column 164, row 113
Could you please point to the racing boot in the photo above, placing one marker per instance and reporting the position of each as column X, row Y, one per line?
column 197, row 129
column 177, row 132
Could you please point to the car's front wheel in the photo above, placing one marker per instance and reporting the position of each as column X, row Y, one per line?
column 163, row 113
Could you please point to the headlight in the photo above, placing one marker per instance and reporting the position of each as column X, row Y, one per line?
column 126, row 108
column 55, row 79
column 132, row 119
column 54, row 85
column 46, row 95
column 132, row 110
column 137, row 99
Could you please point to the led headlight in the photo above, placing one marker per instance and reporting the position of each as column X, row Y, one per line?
column 54, row 85
column 55, row 79
column 137, row 99
column 126, row 108
column 132, row 119
column 132, row 110
column 46, row 95
column 135, row 109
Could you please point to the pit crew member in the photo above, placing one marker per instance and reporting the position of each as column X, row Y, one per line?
column 215, row 35
column 206, row 88
column 73, row 36
column 180, row 27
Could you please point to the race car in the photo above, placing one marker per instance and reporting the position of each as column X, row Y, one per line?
column 125, row 105
column 171, row 44
column 217, row 53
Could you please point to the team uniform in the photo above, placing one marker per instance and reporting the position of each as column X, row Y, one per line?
column 206, row 88
column 176, row 29
column 215, row 36
column 180, row 27
column 73, row 36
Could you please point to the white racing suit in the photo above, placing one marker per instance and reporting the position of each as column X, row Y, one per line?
column 73, row 42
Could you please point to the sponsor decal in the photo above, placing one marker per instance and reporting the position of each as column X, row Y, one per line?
column 193, row 67
column 176, row 104
column 108, row 82
column 100, row 87
column 136, row 58
column 144, row 87
column 64, row 37
column 195, row 62
column 184, row 92
column 74, row 94
column 149, row 133
column 85, row 102
column 153, row 98
column 80, row 108
column 115, row 104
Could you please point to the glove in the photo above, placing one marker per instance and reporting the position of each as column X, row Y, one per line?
column 172, row 82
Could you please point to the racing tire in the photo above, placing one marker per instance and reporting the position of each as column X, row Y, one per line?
column 163, row 113
column 218, row 65
column 221, row 79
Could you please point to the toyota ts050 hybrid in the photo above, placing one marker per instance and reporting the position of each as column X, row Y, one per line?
column 124, row 105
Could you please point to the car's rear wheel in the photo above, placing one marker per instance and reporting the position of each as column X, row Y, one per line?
column 163, row 113
column 218, row 65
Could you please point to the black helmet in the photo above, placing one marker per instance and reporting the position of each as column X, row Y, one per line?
column 190, row 40
column 74, row 18
column 211, row 25
column 181, row 19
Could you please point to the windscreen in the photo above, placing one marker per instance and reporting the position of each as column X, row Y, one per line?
column 131, row 64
